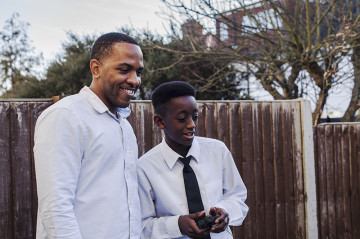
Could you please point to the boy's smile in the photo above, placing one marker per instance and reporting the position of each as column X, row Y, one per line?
column 179, row 120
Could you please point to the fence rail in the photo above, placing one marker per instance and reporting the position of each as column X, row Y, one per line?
column 272, row 145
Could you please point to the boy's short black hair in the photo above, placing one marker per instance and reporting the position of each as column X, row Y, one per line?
column 103, row 45
column 166, row 91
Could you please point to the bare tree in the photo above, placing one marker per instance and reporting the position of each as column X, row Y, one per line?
column 353, row 28
column 278, row 42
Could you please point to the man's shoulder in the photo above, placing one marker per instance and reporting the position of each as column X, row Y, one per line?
column 71, row 103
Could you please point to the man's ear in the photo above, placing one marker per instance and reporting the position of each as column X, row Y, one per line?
column 158, row 120
column 95, row 67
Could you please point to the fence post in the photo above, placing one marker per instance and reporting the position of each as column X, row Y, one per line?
column 309, row 171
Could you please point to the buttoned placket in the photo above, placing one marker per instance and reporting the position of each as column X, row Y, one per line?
column 129, row 166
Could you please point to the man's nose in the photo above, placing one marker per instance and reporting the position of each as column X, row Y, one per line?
column 134, row 79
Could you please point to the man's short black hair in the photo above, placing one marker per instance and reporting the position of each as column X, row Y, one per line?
column 103, row 45
column 166, row 91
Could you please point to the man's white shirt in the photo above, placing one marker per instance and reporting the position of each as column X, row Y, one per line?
column 85, row 161
column 162, row 191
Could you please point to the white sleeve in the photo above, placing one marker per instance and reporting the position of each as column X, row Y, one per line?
column 234, row 192
column 154, row 227
column 58, row 153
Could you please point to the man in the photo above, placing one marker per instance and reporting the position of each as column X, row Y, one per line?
column 85, row 151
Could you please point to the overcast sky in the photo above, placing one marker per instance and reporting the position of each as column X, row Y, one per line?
column 50, row 19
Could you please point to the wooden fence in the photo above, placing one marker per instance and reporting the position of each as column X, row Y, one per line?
column 272, row 144
column 337, row 150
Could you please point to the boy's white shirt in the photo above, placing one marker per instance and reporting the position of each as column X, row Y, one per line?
column 162, row 192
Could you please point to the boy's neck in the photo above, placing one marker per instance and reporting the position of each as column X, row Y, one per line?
column 180, row 149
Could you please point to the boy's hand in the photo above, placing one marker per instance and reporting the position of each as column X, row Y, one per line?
column 222, row 222
column 189, row 228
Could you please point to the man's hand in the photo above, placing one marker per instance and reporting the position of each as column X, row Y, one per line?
column 222, row 222
column 189, row 228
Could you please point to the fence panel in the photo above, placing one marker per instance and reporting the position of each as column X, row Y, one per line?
column 265, row 138
column 338, row 178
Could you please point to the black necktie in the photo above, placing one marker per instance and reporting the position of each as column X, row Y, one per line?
column 192, row 188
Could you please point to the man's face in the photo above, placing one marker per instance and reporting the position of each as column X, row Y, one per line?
column 120, row 73
column 179, row 123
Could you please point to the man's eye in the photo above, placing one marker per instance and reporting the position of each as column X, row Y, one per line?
column 181, row 119
column 138, row 73
column 195, row 117
column 123, row 71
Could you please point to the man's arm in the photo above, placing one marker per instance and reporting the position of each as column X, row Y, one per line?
column 58, row 153
column 234, row 192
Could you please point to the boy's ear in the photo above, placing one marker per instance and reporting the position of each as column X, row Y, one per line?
column 159, row 121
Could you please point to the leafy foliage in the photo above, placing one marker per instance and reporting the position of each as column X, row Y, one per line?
column 70, row 72
column 66, row 75
column 17, row 58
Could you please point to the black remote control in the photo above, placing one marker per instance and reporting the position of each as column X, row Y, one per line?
column 207, row 221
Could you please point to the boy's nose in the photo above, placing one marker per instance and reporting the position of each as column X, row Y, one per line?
column 191, row 123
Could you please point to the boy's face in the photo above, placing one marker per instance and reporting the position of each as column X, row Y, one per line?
column 179, row 122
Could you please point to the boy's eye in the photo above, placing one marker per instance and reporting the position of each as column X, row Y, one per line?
column 195, row 117
column 181, row 119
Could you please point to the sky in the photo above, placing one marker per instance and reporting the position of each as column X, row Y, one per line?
column 51, row 19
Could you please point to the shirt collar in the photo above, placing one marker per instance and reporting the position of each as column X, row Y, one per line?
column 171, row 156
column 99, row 106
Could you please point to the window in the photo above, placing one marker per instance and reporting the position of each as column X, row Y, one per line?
column 261, row 21
column 224, row 31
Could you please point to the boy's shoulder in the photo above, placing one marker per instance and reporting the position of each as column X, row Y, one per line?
column 209, row 141
column 152, row 154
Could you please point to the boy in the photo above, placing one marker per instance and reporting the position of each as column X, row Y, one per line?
column 176, row 192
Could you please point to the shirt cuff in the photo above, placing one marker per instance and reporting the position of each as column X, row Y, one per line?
column 172, row 227
column 236, row 214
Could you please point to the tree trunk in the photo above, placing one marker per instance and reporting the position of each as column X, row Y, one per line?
column 354, row 104
column 316, row 116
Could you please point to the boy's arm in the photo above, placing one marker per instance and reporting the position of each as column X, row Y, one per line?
column 234, row 192
column 58, row 162
column 152, row 226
